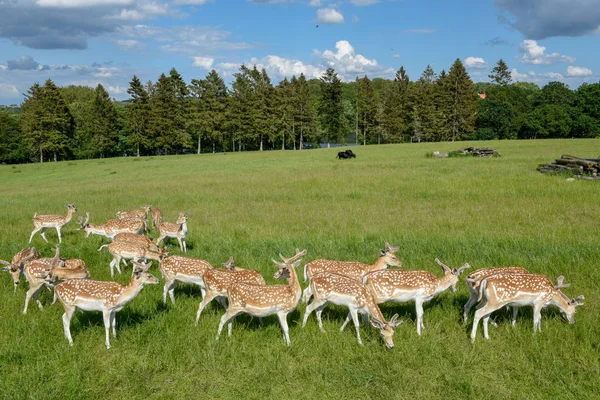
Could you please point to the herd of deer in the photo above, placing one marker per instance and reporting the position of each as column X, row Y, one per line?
column 359, row 287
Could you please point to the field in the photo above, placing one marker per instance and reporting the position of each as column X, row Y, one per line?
column 487, row 212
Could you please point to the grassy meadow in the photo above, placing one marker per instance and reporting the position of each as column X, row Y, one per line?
column 487, row 212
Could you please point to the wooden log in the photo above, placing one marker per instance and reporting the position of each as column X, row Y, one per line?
column 574, row 162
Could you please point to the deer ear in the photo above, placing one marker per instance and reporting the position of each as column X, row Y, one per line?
column 377, row 323
column 382, row 252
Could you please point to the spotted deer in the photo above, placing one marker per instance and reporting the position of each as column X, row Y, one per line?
column 177, row 269
column 15, row 267
column 264, row 300
column 108, row 297
column 520, row 290
column 329, row 287
column 36, row 273
column 72, row 268
column 122, row 251
column 473, row 281
column 112, row 227
column 176, row 230
column 157, row 218
column 141, row 240
column 217, row 281
column 43, row 222
column 354, row 270
column 140, row 214
column 403, row 286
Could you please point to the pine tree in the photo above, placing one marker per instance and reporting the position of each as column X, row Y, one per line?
column 242, row 112
column 427, row 120
column 103, row 123
column 163, row 106
column 394, row 111
column 136, row 116
column 500, row 74
column 330, row 106
column 12, row 148
column 181, row 137
column 367, row 107
column 460, row 102
column 303, row 104
column 209, row 101
column 284, row 109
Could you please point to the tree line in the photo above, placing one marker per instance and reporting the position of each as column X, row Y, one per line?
column 171, row 116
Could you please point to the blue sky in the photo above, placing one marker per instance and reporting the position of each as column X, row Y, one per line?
column 87, row 42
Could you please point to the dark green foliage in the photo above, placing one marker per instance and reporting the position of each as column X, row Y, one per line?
column 103, row 124
column 12, row 148
column 136, row 117
column 461, row 102
column 330, row 107
column 500, row 74
column 367, row 110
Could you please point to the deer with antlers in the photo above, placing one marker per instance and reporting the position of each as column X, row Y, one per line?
column 108, row 297
column 264, row 300
column 217, row 282
column 177, row 269
column 140, row 240
column 43, row 222
column 140, row 214
column 421, row 286
column 176, row 230
column 520, row 290
column 473, row 281
column 15, row 267
column 328, row 287
column 112, row 227
column 122, row 251
column 157, row 217
column 36, row 272
column 354, row 270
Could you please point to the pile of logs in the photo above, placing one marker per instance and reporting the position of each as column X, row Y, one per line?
column 582, row 168
column 470, row 151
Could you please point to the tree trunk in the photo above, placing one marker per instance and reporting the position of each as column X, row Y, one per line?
column 240, row 145
column 55, row 156
column 283, row 141
column 41, row 155
column 233, row 141
column 364, row 135
column 213, row 147
column 301, row 138
column 199, row 144
column 261, row 143
column 328, row 145
column 138, row 149
column 294, row 135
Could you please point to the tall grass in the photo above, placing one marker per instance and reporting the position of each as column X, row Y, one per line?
column 487, row 212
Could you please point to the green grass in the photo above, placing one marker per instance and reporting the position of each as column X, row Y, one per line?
column 487, row 212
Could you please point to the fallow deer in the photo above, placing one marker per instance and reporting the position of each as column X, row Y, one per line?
column 474, row 279
column 176, row 230
column 141, row 240
column 112, row 227
column 108, row 297
column 520, row 290
column 36, row 273
column 140, row 214
column 354, row 270
column 122, row 251
column 421, row 286
column 157, row 218
column 264, row 300
column 177, row 269
column 15, row 267
column 328, row 287
column 217, row 281
column 72, row 268
column 42, row 222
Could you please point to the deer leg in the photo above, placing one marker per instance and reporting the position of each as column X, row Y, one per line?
column 284, row 327
column 205, row 300
column 515, row 312
column 160, row 239
column 306, row 294
column 483, row 311
column 319, row 320
column 69, row 311
column 32, row 293
column 225, row 318
column 537, row 318
column 58, row 233
column 470, row 303
column 35, row 230
column 106, row 315
column 112, row 264
column 113, row 323
column 309, row 309
column 348, row 318
column 419, row 307
column 166, row 290
column 43, row 234
column 354, row 315
column 172, row 291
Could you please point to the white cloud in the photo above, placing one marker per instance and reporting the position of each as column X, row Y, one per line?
column 396, row 56
column 475, row 63
column 115, row 91
column 315, row 3
column 3, row 67
column 192, row 2
column 578, row 71
column 360, row 3
column 329, row 16
column 539, row 78
column 128, row 44
column 533, row 53
column 7, row 90
column 203, row 62
column 82, row 3
column 104, row 72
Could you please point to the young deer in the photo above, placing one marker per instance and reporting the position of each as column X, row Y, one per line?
column 177, row 269
column 217, row 281
column 354, row 270
column 176, row 230
column 157, row 217
column 15, row 267
column 328, row 287
column 122, row 251
column 36, row 273
column 108, row 297
column 521, row 290
column 42, row 222
column 264, row 300
column 141, row 214
column 140, row 240
column 421, row 286
column 474, row 279
column 71, row 269
column 112, row 227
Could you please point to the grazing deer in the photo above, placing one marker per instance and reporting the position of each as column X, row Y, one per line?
column 112, row 227
column 71, row 269
column 157, row 218
column 217, row 281
column 421, row 286
column 108, row 297
column 122, row 251
column 42, row 222
column 328, row 287
column 177, row 269
column 354, row 270
column 141, row 240
column 140, row 214
column 176, row 230
column 474, row 279
column 15, row 267
column 264, row 300
column 520, row 290
column 36, row 272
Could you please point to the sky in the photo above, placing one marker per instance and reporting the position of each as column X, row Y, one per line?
column 86, row 42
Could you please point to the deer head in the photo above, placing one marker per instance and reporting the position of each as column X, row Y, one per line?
column 84, row 225
column 390, row 258
column 569, row 311
column 229, row 264
column 71, row 207
column 141, row 274
column 284, row 269
column 391, row 249
column 386, row 329
column 452, row 273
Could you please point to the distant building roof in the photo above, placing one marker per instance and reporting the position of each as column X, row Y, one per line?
column 482, row 96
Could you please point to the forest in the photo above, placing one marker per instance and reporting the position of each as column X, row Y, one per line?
column 172, row 116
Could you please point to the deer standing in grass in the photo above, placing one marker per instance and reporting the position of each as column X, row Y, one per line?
column 15, row 267
column 354, row 270
column 112, row 227
column 43, row 222
column 217, row 282
column 177, row 269
column 328, row 287
column 473, row 281
column 157, row 218
column 140, row 240
column 176, row 230
column 108, row 297
column 403, row 286
column 140, row 214
column 264, row 300
column 520, row 290
column 36, row 272
column 122, row 251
